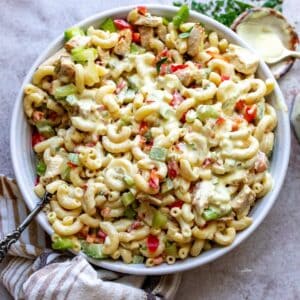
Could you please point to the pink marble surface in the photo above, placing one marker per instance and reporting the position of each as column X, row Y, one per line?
column 266, row 266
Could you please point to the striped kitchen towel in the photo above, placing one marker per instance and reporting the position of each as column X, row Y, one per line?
column 33, row 271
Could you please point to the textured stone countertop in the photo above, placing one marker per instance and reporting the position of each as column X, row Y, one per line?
column 267, row 264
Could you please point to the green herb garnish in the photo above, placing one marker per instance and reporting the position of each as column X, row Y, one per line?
column 159, row 63
column 227, row 11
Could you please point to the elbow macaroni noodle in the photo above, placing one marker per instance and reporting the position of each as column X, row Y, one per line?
column 153, row 153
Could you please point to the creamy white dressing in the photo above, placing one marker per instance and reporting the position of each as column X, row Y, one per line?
column 263, row 38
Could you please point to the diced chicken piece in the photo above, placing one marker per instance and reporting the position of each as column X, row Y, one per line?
column 54, row 166
column 77, row 41
column 54, row 59
column 123, row 45
column 185, row 76
column 196, row 40
column 201, row 194
column 243, row 60
column 261, row 163
column 148, row 21
column 67, row 69
column 104, row 56
column 146, row 35
column 162, row 32
column 242, row 202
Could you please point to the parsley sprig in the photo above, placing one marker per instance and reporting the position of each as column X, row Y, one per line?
column 226, row 11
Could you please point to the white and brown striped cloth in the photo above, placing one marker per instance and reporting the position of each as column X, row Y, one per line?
column 33, row 271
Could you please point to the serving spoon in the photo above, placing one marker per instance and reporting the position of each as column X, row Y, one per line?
column 13, row 236
column 282, row 53
column 271, row 35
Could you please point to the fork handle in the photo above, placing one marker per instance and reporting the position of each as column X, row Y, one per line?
column 13, row 236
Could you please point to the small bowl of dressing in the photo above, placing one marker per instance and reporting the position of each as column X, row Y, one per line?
column 268, row 33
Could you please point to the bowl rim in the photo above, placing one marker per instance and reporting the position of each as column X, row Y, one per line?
column 189, row 263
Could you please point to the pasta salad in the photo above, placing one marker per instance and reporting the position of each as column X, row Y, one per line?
column 152, row 136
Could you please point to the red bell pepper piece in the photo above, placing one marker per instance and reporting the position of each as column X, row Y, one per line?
column 37, row 115
column 142, row 10
column 136, row 37
column 177, row 203
column 101, row 234
column 173, row 169
column 153, row 180
column 250, row 113
column 36, row 138
column 37, row 181
column 225, row 77
column 122, row 24
column 143, row 128
column 152, row 243
column 71, row 165
column 176, row 67
column 220, row 121
column 240, row 105
column 183, row 118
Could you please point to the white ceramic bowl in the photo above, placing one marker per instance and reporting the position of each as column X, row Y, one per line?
column 23, row 157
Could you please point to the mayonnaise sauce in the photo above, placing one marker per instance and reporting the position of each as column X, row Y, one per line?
column 262, row 37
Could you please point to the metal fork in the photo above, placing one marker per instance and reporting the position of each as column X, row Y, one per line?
column 13, row 236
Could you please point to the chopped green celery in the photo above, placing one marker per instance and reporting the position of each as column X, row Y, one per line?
column 41, row 167
column 65, row 174
column 125, row 121
column 135, row 49
column 167, row 186
column 228, row 105
column 166, row 21
column 108, row 25
column 93, row 250
column 211, row 213
column 128, row 180
column 45, row 130
column 181, row 16
column 127, row 198
column 207, row 111
column 171, row 249
column 65, row 90
column 158, row 153
column 191, row 116
column 165, row 111
column 159, row 219
column 71, row 100
column 74, row 158
column 73, row 31
column 134, row 205
column 129, row 213
column 62, row 243
column 160, row 62
column 82, row 55
column 129, row 96
column 137, row 259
